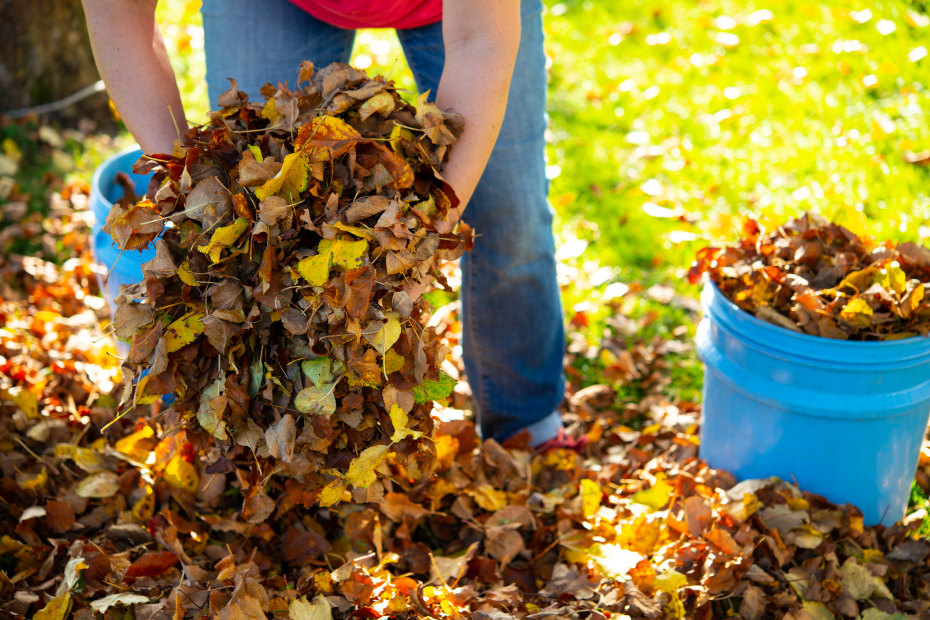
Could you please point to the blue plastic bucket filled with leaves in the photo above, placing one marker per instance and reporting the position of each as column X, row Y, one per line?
column 843, row 419
column 123, row 267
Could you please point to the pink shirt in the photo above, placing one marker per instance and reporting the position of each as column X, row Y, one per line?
column 352, row 14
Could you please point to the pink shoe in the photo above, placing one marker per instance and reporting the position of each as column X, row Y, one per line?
column 562, row 442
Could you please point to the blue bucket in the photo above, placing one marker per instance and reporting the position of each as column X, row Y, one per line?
column 843, row 419
column 125, row 268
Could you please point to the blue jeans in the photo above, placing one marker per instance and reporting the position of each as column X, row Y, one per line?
column 513, row 334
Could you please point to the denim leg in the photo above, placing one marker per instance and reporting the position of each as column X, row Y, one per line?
column 425, row 54
column 255, row 42
column 513, row 333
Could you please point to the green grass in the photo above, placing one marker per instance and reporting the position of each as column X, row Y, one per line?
column 695, row 111
column 919, row 501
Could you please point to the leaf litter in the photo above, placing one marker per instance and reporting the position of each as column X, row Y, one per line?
column 816, row 277
column 180, row 527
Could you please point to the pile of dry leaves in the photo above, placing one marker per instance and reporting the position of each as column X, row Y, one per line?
column 819, row 278
column 284, row 308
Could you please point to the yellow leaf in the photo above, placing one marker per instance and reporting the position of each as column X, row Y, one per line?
column 382, row 103
column 270, row 112
column 488, row 497
column 897, row 280
column 670, row 583
column 315, row 269
column 857, row 313
column 361, row 472
column 818, row 611
column 590, row 496
column 141, row 397
column 337, row 253
column 656, row 497
column 144, row 508
column 37, row 483
column 212, row 403
column 137, row 445
column 447, row 448
column 323, row 581
column 57, row 609
column 9, row 544
column 25, row 400
column 184, row 331
column 181, row 475
column 852, row 218
column 291, row 179
column 88, row 460
column 256, row 150
column 317, row 609
column 400, row 421
column 348, row 254
column 643, row 535
column 186, row 275
column 385, row 338
column 910, row 302
column 393, row 361
column 64, row 451
column 358, row 231
column 332, row 493
column 398, row 136
column 862, row 279
column 223, row 237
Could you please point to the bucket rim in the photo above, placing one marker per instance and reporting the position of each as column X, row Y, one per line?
column 713, row 297
column 96, row 181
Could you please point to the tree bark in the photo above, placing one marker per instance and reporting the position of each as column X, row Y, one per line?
column 46, row 56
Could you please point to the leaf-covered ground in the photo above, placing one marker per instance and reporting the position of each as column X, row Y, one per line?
column 634, row 526
column 691, row 113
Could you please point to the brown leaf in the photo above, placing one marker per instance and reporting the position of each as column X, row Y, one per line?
column 253, row 173
column 365, row 207
column 275, row 211
column 135, row 226
column 698, row 515
column 162, row 266
column 280, row 438
column 227, row 294
column 398, row 507
column 219, row 332
column 503, row 544
column 208, row 203
column 257, row 506
column 752, row 606
column 59, row 516
column 151, row 564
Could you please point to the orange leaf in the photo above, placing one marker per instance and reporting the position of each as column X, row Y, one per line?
column 151, row 564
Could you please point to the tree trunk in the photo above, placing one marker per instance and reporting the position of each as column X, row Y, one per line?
column 46, row 56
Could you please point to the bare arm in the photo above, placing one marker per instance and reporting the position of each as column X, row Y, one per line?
column 131, row 56
column 481, row 38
